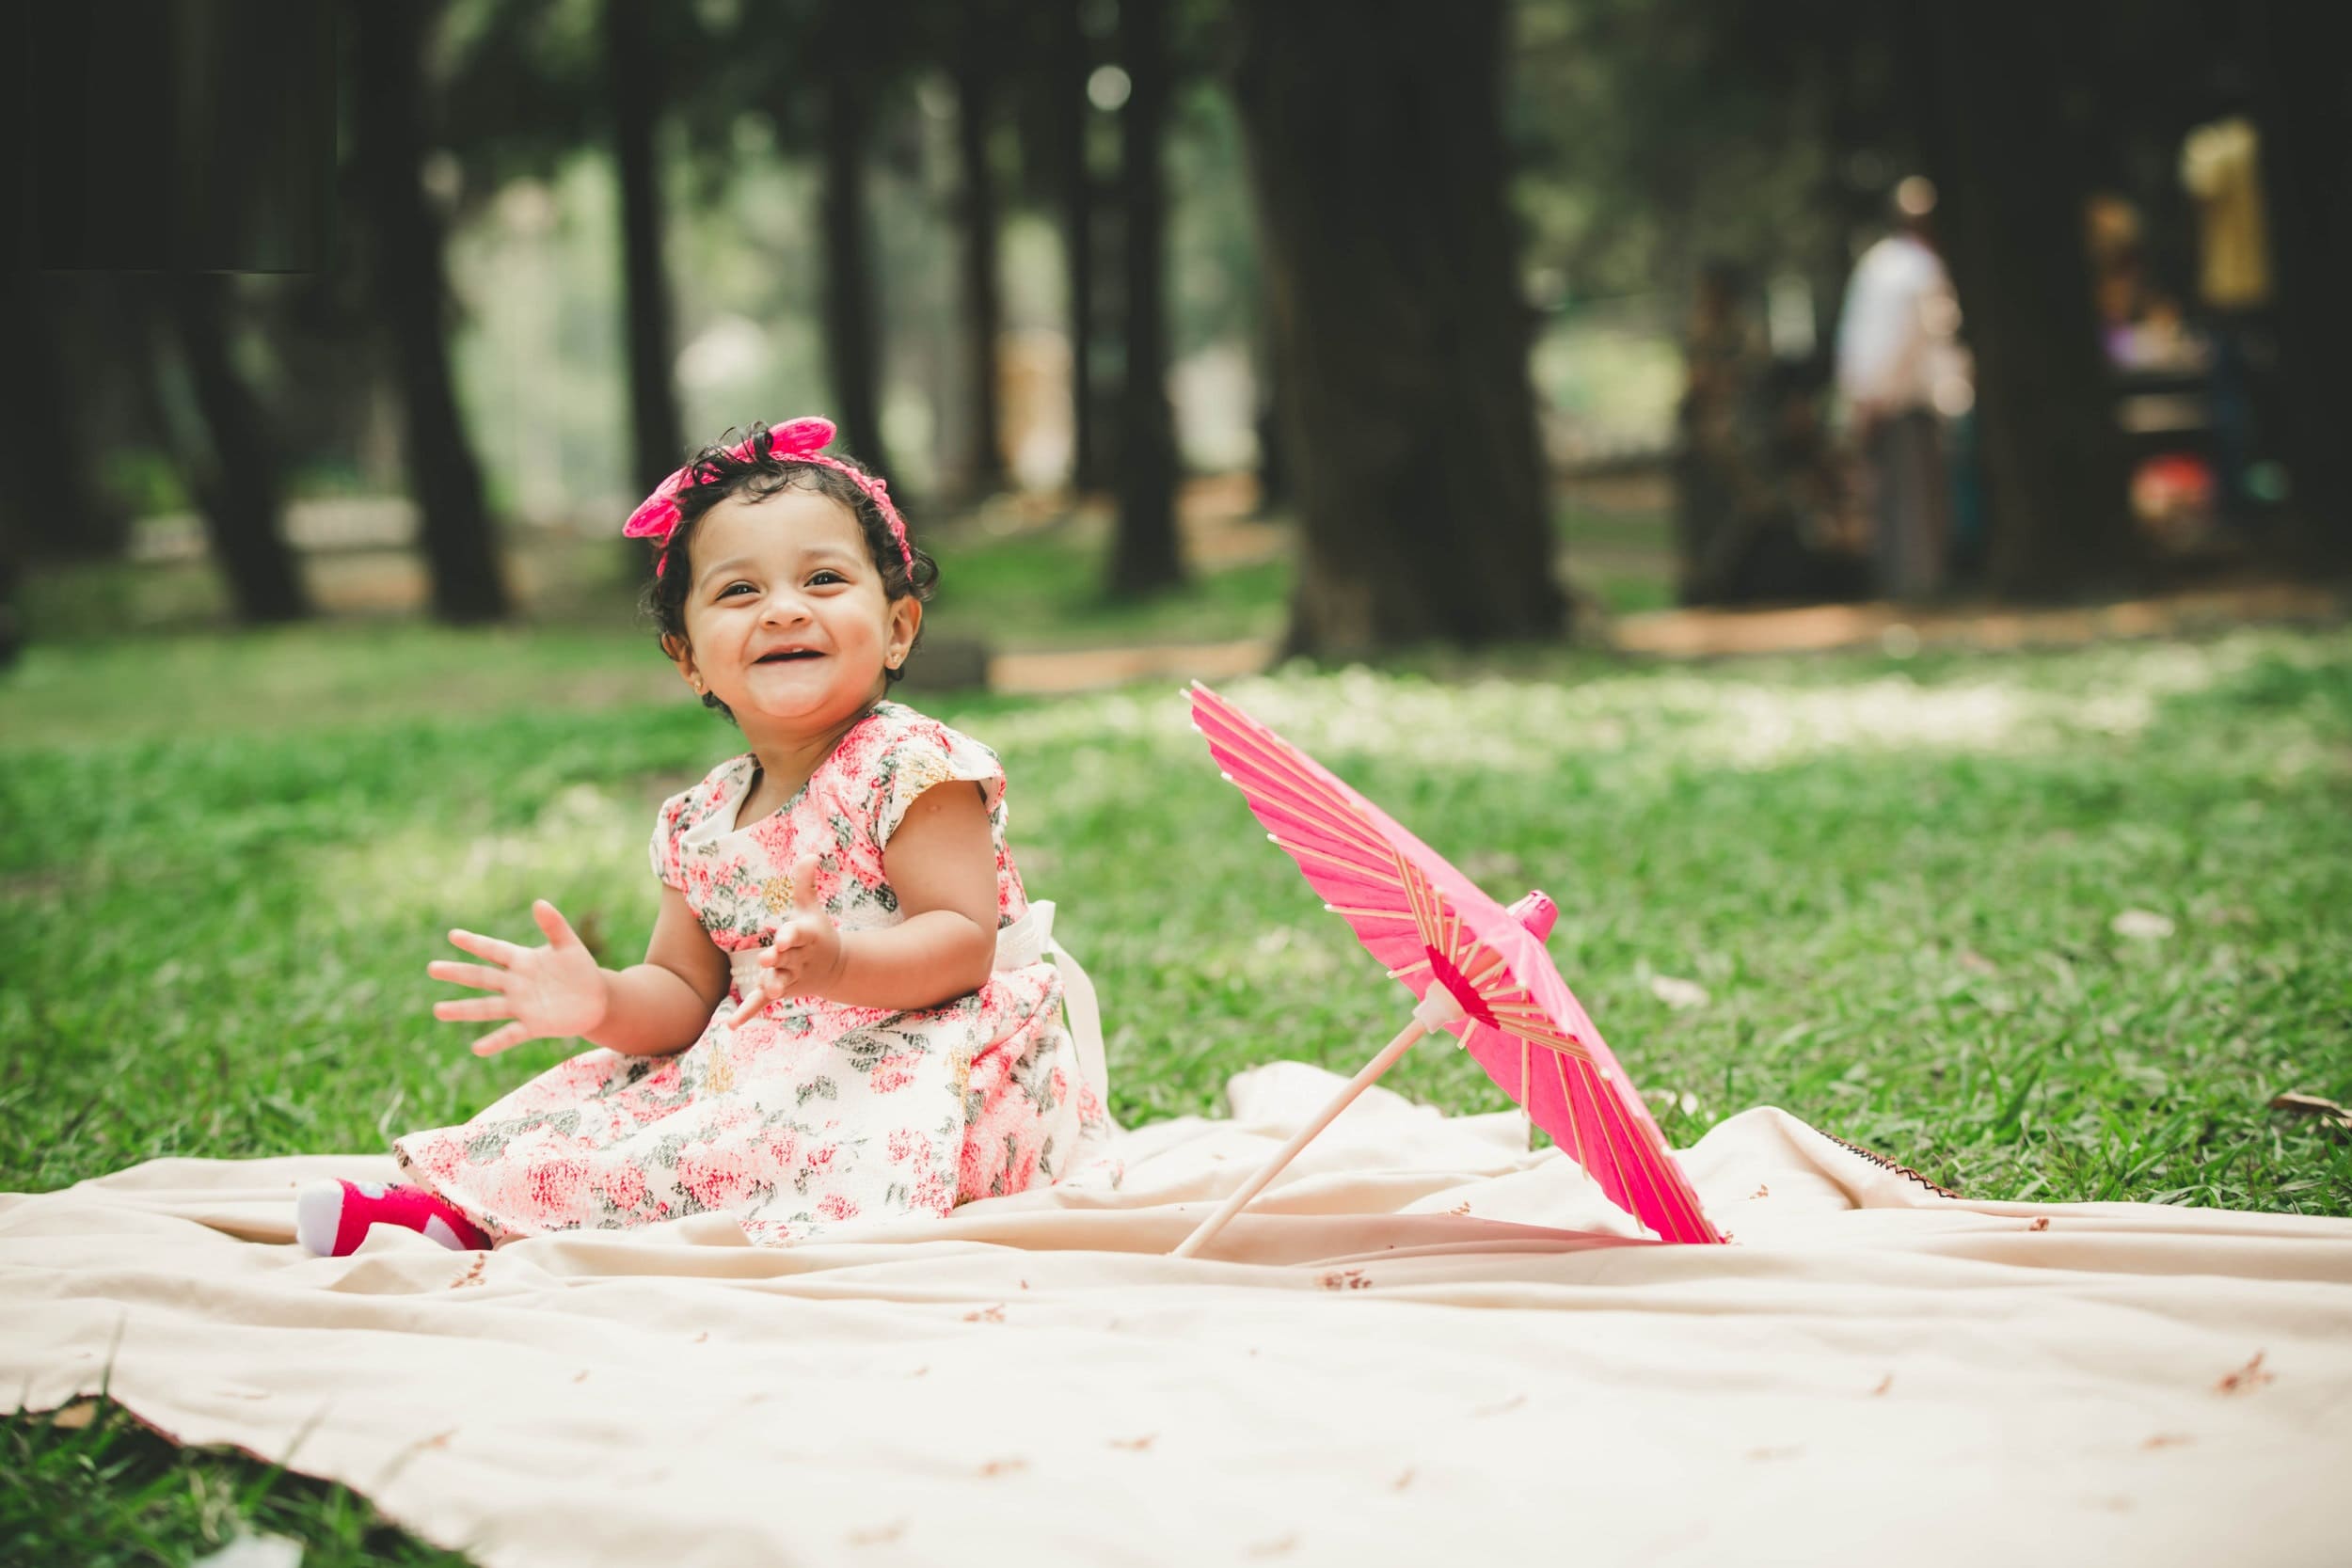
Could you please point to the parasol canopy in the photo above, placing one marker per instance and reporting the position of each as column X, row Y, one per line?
column 1479, row 971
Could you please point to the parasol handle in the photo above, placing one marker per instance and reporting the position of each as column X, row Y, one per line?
column 1427, row 1015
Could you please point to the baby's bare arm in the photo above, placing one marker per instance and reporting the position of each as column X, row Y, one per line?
column 661, row 1005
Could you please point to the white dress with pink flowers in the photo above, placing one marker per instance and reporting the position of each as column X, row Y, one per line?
column 815, row 1112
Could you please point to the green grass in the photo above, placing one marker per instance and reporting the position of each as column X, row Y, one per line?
column 224, row 864
column 89, row 1486
column 1046, row 591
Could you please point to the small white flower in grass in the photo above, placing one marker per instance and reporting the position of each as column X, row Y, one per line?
column 2141, row 924
column 1677, row 993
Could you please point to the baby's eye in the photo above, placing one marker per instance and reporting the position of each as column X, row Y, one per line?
column 827, row 576
column 733, row 586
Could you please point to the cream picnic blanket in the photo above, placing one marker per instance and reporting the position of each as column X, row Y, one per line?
column 1408, row 1352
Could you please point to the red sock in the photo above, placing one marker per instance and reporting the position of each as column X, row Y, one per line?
column 331, row 1218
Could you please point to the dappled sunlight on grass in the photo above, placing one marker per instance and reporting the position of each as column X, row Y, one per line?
column 585, row 848
column 1675, row 716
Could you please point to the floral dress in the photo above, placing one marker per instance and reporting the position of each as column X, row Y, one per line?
column 814, row 1112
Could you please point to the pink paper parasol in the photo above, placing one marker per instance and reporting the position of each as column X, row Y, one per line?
column 1478, row 969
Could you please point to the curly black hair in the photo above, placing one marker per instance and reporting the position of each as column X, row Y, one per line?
column 717, row 473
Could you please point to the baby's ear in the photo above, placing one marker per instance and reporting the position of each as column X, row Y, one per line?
column 682, row 654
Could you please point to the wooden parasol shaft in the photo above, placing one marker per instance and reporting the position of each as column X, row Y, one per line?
column 1256, row 1184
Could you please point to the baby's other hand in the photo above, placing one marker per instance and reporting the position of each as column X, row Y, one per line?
column 805, row 958
column 548, row 992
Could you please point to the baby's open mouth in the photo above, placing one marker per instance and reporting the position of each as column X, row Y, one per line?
column 788, row 654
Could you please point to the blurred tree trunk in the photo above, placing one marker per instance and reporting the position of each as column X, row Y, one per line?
column 2303, row 99
column 2009, row 221
column 411, row 292
column 634, row 92
column 237, row 489
column 1144, row 552
column 49, row 475
column 847, row 36
column 1391, row 271
column 1066, row 90
column 977, row 65
column 1274, row 468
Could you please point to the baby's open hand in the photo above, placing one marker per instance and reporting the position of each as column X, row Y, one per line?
column 804, row 958
column 548, row 992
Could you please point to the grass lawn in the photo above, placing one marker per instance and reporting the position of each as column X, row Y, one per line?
column 1894, row 886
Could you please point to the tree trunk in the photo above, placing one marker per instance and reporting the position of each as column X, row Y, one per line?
column 983, row 313
column 412, row 292
column 1068, row 91
column 2304, row 105
column 2010, row 223
column 1144, row 553
column 237, row 490
column 635, row 92
column 1274, row 467
column 56, row 509
column 852, row 336
column 1402, row 340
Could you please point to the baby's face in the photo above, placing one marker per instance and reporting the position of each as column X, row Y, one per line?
column 787, row 618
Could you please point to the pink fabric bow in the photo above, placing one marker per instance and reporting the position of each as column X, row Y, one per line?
column 802, row 440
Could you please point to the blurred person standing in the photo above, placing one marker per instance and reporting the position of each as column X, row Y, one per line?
column 1901, row 370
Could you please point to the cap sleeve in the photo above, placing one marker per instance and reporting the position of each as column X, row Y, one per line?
column 668, row 824
column 922, row 757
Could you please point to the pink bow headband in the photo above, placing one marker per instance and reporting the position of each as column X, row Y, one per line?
column 802, row 440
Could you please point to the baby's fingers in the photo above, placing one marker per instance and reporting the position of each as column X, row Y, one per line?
column 481, row 977
column 473, row 1008
column 501, row 1040
column 486, row 947
column 754, row 1002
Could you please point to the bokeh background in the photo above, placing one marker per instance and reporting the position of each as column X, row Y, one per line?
column 1328, row 327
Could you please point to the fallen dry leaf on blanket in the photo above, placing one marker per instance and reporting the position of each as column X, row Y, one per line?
column 474, row 1273
column 1135, row 1444
column 1884, row 1384
column 987, row 1315
column 1003, row 1467
column 1761, row 1191
column 1344, row 1279
column 2040, row 1223
column 2332, row 1116
column 2168, row 1440
column 2246, row 1379
column 1401, row 1482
